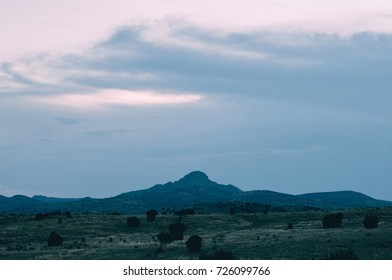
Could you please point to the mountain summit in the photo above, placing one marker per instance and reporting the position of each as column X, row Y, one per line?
column 194, row 177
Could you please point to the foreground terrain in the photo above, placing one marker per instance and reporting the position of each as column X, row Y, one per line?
column 247, row 236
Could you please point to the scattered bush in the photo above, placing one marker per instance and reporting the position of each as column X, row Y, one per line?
column 165, row 237
column 194, row 243
column 342, row 255
column 177, row 231
column 55, row 239
column 151, row 214
column 370, row 222
column 332, row 220
column 133, row 221
column 218, row 255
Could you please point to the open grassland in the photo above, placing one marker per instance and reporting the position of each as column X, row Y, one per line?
column 247, row 236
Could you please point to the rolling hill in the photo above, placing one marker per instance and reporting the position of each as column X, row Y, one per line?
column 194, row 188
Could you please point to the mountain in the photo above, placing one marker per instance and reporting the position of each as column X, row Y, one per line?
column 194, row 188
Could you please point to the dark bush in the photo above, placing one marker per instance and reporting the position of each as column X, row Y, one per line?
column 194, row 243
column 55, row 239
column 290, row 226
column 165, row 237
column 342, row 255
column 332, row 220
column 151, row 214
column 218, row 255
column 370, row 222
column 116, row 214
column 133, row 221
column 177, row 231
column 68, row 214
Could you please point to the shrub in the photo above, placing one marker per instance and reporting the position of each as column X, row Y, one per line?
column 370, row 222
column 151, row 214
column 55, row 239
column 342, row 255
column 68, row 214
column 218, row 255
column 332, row 220
column 290, row 226
column 194, row 243
column 177, row 231
column 133, row 221
column 165, row 237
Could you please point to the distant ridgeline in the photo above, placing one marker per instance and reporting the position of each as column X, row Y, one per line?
column 198, row 192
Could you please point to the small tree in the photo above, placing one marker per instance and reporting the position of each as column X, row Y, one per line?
column 55, row 239
column 177, row 231
column 133, row 221
column 151, row 214
column 332, row 220
column 194, row 243
column 370, row 222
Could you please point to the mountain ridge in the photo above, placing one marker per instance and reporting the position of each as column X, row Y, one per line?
column 193, row 188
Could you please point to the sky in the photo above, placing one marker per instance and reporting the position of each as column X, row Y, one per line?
column 290, row 96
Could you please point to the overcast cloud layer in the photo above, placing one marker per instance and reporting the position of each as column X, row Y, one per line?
column 292, row 98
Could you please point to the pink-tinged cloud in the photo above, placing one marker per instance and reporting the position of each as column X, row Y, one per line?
column 109, row 97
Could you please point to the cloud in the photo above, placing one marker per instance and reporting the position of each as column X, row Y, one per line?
column 173, row 61
column 117, row 97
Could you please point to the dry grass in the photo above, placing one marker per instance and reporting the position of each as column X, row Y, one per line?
column 248, row 236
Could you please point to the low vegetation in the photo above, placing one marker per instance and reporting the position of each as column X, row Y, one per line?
column 342, row 255
column 133, row 221
column 204, row 236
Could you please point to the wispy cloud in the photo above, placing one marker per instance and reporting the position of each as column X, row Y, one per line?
column 110, row 97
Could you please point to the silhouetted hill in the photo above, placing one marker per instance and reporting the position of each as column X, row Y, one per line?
column 194, row 188
column 19, row 203
column 341, row 199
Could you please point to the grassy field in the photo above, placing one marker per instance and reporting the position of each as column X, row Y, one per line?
column 247, row 236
